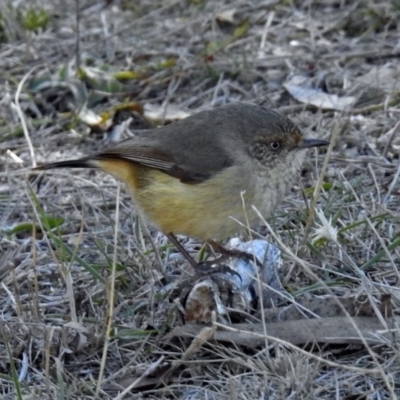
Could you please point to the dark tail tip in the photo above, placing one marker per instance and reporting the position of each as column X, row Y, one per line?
column 81, row 163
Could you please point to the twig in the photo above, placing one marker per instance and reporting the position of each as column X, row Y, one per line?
column 16, row 106
column 111, row 298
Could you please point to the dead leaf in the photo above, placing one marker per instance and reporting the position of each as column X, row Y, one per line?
column 164, row 114
column 299, row 89
column 384, row 77
column 227, row 16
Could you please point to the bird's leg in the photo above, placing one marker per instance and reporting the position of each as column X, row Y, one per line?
column 182, row 250
column 225, row 253
column 202, row 268
column 233, row 252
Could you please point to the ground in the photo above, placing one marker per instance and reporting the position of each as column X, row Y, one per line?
column 331, row 66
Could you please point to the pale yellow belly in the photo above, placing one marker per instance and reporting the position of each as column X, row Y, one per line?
column 201, row 210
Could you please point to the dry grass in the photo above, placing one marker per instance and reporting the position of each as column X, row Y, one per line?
column 55, row 286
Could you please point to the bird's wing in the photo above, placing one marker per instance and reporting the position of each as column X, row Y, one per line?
column 191, row 162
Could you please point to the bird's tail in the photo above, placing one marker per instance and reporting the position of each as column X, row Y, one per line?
column 79, row 163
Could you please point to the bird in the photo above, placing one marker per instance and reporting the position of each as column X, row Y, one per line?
column 202, row 175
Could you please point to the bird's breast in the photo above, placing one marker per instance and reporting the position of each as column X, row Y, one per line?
column 272, row 185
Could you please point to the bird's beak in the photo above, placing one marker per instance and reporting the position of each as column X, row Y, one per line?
column 306, row 143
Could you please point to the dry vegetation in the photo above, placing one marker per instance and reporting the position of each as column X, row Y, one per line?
column 59, row 236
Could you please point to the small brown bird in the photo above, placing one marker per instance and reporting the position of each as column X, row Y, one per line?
column 202, row 174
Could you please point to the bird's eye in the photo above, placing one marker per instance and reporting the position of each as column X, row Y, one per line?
column 275, row 145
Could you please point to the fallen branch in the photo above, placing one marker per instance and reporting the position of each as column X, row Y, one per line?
column 338, row 330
